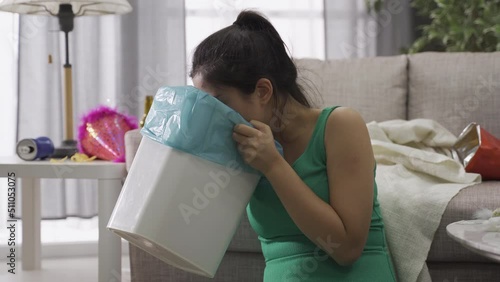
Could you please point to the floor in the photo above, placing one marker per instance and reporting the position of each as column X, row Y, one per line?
column 70, row 250
column 74, row 269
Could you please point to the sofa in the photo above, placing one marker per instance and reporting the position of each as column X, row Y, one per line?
column 452, row 88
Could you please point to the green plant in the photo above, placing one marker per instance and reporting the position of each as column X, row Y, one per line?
column 456, row 25
column 373, row 5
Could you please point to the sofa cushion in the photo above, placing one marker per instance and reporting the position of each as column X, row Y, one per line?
column 462, row 207
column 245, row 239
column 375, row 87
column 456, row 89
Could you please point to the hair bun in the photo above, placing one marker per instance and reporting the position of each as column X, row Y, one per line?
column 251, row 20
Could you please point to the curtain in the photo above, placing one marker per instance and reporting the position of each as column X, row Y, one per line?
column 349, row 31
column 8, row 97
column 352, row 32
column 117, row 61
column 396, row 30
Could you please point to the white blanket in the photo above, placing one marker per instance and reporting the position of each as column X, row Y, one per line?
column 416, row 179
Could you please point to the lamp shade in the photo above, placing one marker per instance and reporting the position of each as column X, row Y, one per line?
column 80, row 7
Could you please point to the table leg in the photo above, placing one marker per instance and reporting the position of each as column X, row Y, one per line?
column 110, row 264
column 31, row 243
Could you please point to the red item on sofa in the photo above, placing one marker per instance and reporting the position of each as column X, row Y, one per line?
column 479, row 151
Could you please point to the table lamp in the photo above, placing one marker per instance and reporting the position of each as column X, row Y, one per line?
column 66, row 11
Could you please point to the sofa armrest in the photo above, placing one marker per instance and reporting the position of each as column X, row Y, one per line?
column 132, row 140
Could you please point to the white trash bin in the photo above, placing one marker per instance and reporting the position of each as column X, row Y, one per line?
column 181, row 208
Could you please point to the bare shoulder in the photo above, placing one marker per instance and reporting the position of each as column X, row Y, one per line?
column 345, row 120
column 346, row 136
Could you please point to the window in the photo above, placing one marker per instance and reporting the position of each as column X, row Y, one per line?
column 300, row 23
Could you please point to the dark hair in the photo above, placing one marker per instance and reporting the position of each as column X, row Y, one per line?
column 244, row 52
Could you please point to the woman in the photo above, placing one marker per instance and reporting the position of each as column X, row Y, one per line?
column 315, row 210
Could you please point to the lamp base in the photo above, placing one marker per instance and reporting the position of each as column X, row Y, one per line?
column 67, row 149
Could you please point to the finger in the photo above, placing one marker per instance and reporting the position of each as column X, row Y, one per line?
column 245, row 130
column 260, row 125
column 241, row 139
column 248, row 142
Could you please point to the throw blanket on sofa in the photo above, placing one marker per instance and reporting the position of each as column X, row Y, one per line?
column 416, row 179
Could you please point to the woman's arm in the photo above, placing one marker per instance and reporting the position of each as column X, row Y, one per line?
column 340, row 227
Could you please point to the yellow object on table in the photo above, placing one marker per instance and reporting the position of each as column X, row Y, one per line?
column 58, row 160
column 78, row 157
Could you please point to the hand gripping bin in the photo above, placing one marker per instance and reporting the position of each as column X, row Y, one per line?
column 188, row 187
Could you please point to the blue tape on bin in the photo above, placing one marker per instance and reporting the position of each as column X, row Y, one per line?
column 188, row 119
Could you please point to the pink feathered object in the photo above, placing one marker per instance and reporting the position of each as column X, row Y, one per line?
column 101, row 133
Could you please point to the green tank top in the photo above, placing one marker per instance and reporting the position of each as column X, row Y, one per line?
column 289, row 254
